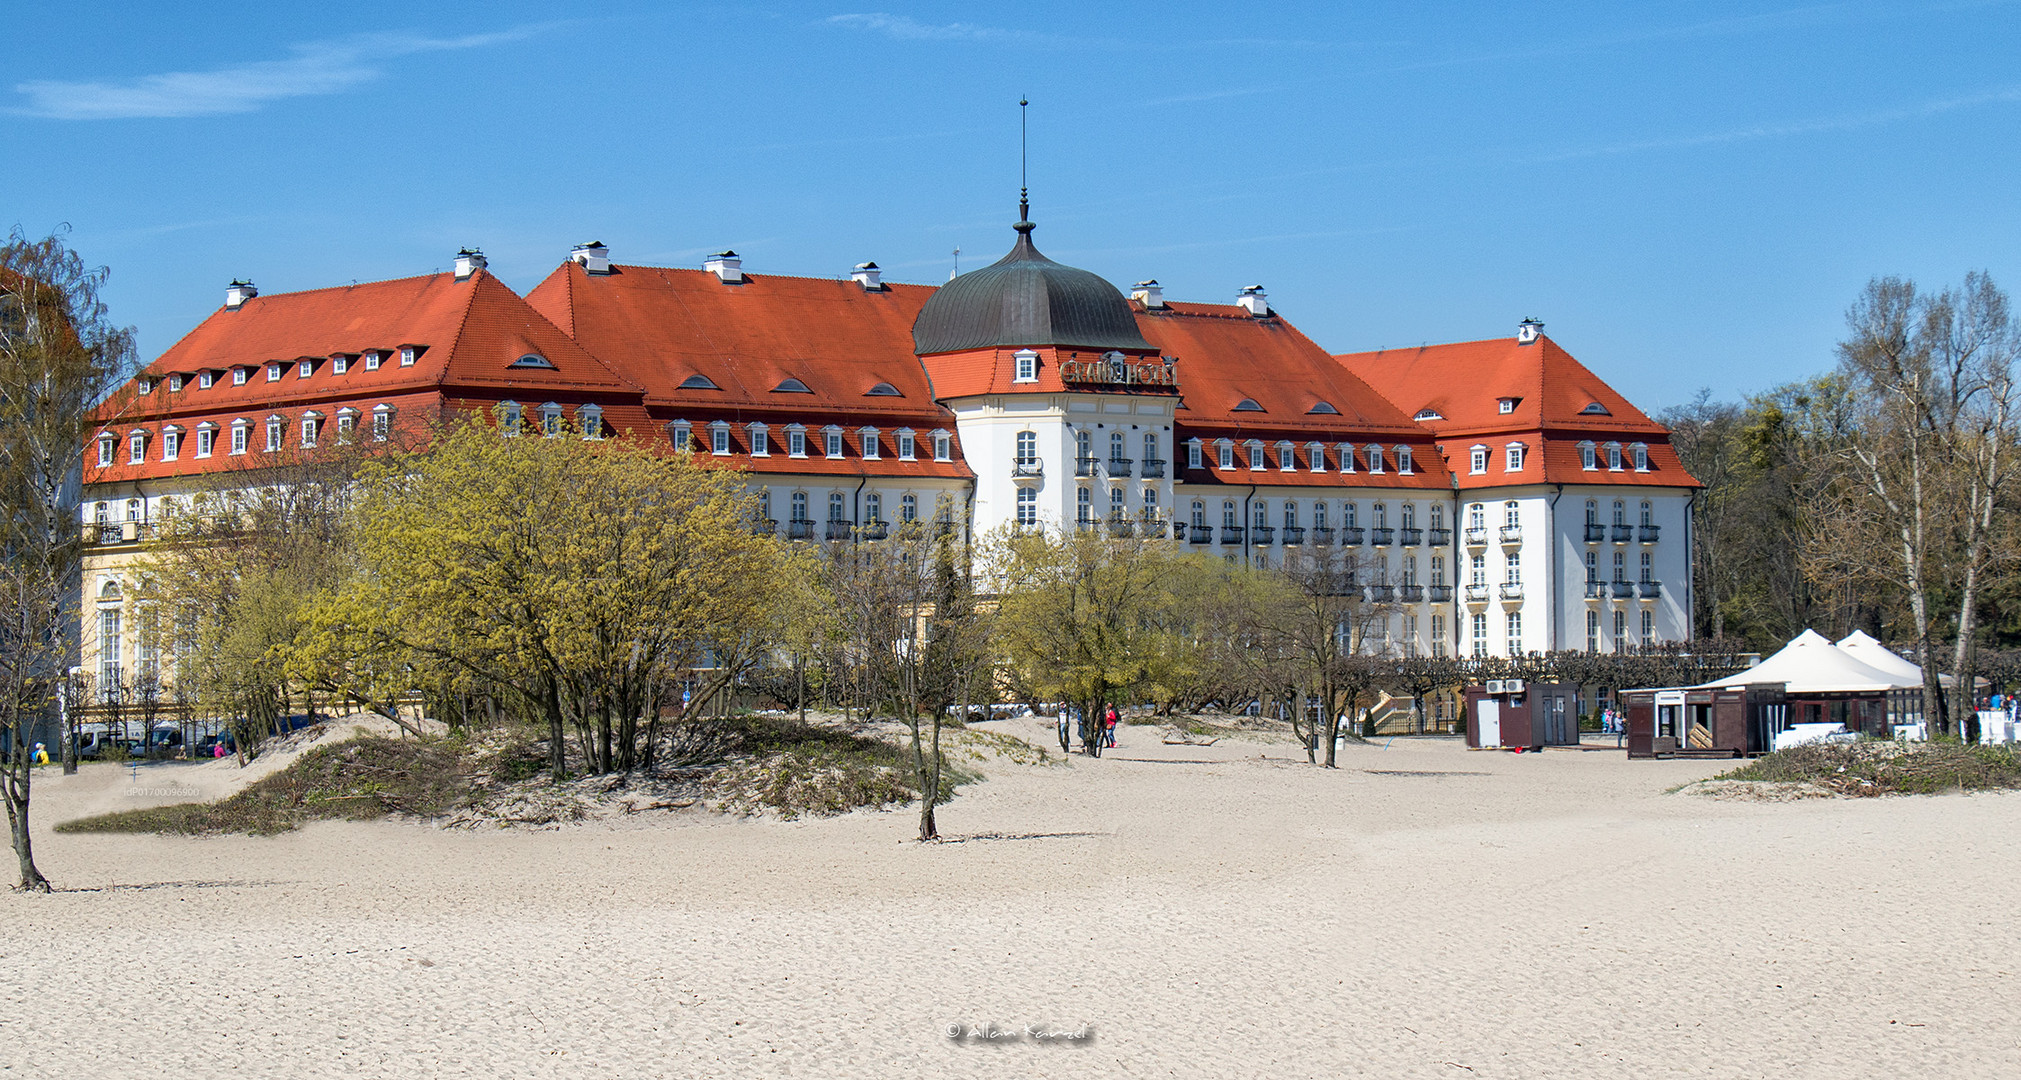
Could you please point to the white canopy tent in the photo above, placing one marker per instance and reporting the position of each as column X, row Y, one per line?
column 1811, row 664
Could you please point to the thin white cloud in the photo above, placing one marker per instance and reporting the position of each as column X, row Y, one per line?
column 326, row 67
column 906, row 28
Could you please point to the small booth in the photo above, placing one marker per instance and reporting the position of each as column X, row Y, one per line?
column 1514, row 714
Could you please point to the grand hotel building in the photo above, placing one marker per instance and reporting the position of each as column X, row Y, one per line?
column 1497, row 493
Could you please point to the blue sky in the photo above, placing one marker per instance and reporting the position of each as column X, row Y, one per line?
column 1688, row 194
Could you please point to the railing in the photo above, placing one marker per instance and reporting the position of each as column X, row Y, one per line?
column 1381, row 594
column 1293, row 534
column 1512, row 534
column 874, row 530
column 1624, row 533
column 1350, row 535
column 1412, row 594
column 1322, row 534
column 1651, row 590
column 1154, row 469
column 1476, row 536
column 1381, row 536
column 840, row 530
column 764, row 527
column 1202, row 534
column 1512, row 590
column 1410, row 537
column 1649, row 533
column 1261, row 534
column 1596, row 590
column 1595, row 532
column 118, row 532
column 1084, row 466
column 1032, row 467
column 1440, row 594
column 1623, row 590
column 1477, row 593
column 1119, row 467
column 1120, row 527
column 1084, row 524
column 1231, row 534
column 1440, row 537
column 1153, row 527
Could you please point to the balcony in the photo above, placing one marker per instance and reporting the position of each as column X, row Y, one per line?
column 1084, row 524
column 874, row 530
column 1380, row 537
column 1477, row 593
column 1261, row 535
column 1410, row 537
column 1649, row 532
column 1651, row 590
column 1231, row 534
column 1293, row 535
column 764, row 527
column 1028, row 467
column 1381, row 594
column 1476, row 536
column 1154, row 469
column 800, row 530
column 840, row 530
column 1623, row 590
column 1202, row 534
column 1512, row 590
column 1411, row 594
column 1440, row 537
column 1350, row 535
column 1322, row 534
column 1512, row 534
column 1595, row 532
column 118, row 532
column 1152, row 528
column 1624, row 533
column 1440, row 594
column 1121, row 527
column 1119, row 467
column 1596, row 590
column 1084, row 466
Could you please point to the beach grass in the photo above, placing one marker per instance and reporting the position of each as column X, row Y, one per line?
column 1881, row 767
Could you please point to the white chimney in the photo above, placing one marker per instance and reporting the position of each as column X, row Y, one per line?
column 1527, row 331
column 1149, row 293
column 1253, row 301
column 727, row 266
column 594, row 257
column 237, row 293
column 468, row 261
column 867, row 275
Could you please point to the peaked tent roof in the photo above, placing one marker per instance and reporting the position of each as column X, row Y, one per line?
column 1811, row 664
column 1879, row 656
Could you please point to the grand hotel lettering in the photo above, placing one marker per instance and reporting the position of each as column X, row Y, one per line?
column 1117, row 370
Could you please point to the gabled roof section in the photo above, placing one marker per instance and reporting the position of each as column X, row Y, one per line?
column 1463, row 384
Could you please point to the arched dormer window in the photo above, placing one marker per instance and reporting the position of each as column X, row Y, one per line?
column 590, row 419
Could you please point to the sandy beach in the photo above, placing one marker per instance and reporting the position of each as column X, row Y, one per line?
column 1424, row 911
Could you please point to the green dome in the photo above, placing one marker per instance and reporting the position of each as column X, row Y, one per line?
column 1026, row 299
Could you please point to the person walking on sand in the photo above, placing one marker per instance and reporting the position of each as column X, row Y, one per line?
column 1109, row 725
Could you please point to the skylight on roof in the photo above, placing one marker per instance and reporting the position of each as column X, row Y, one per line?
column 1247, row 404
column 699, row 381
column 533, row 360
column 1428, row 414
column 883, row 389
column 1595, row 409
column 1322, row 408
column 791, row 386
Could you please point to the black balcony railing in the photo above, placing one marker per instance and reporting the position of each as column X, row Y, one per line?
column 764, row 526
column 1261, row 534
column 1084, row 466
column 1649, row 533
column 1595, row 533
column 800, row 530
column 1381, row 594
column 874, row 530
column 1476, row 536
column 1202, row 534
column 1322, row 534
column 1293, row 535
column 1231, row 534
column 1596, row 590
column 1381, row 536
column 1512, row 590
column 1440, row 594
column 1411, row 594
column 1084, row 524
column 1119, row 467
column 1512, row 534
column 1028, row 467
column 1477, row 593
column 118, row 532
column 1350, row 535
column 1154, row 469
column 1152, row 527
column 840, row 530
column 1651, row 589
column 1440, row 537
column 1410, row 537
column 1624, row 533
column 1120, row 527
column 1623, row 590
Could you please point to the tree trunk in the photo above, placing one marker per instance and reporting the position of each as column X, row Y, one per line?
column 20, row 769
column 557, row 749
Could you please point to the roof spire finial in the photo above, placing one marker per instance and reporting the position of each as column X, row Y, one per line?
column 1024, row 199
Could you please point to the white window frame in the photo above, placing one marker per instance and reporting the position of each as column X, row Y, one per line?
column 382, row 422
column 550, row 420
column 241, row 436
column 312, row 423
column 1512, row 457
column 943, row 445
column 1589, row 458
column 277, row 433
column 175, row 382
column 347, row 424
column 682, row 433
column 206, row 379
column 1613, row 457
column 407, row 355
column 274, row 373
column 1224, row 453
column 1028, row 505
column 590, row 419
column 371, row 360
column 339, row 364
column 796, row 440
column 908, row 445
column 1287, row 456
column 1315, row 456
column 1346, row 453
column 304, row 369
column 136, row 448
column 1026, row 369
column 171, row 442
column 760, row 438
column 1194, row 454
column 106, row 450
column 1404, row 463
column 719, row 438
column 1372, row 457
column 1255, row 449
column 206, row 439
column 867, row 440
column 832, row 442
column 1477, row 459
column 1640, row 452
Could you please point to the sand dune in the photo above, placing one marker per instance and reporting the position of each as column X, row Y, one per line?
column 1204, row 911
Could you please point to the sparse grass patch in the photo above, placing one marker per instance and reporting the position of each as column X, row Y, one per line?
column 792, row 768
column 1880, row 767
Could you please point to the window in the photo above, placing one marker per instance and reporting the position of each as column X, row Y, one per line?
column 1378, row 516
column 791, row 386
column 1592, row 630
column 1193, row 454
column 175, row 382
column 347, row 422
column 550, row 420
column 382, row 422
column 1228, row 515
column 1586, row 459
column 1592, row 512
column 1199, row 514
column 311, row 422
column 105, row 450
column 1477, row 516
column 765, row 503
column 1438, row 516
column 171, row 443
column 1620, row 513
column 873, row 507
column 799, row 506
column 206, row 439
column 1226, row 452
column 240, row 429
column 1119, row 449
column 1403, row 460
column 304, row 369
column 1290, row 514
column 1028, row 506
column 1620, row 566
column 1641, row 453
column 1347, row 457
column 1515, row 633
column 407, row 354
column 1027, row 366
column 1116, row 504
column 273, row 373
column 719, row 438
column 1477, row 462
column 1477, row 570
column 1373, row 455
column 1255, row 449
column 698, row 381
column 883, row 389
column 590, row 419
column 1347, row 514
column 1151, row 446
column 943, row 446
column 1410, row 635
column 1247, row 405
column 371, row 361
column 1410, row 570
column 796, row 441
column 836, row 510
column 1408, row 516
column 1028, row 447
column 1084, row 505
column 1260, row 517
column 1648, row 569
column 238, row 376
column 1315, row 456
column 1512, row 569
column 275, row 427
column 832, row 436
column 1506, row 405
column 760, row 440
column 908, row 507
column 1614, row 457
column 1149, row 501
column 1513, row 458
column 683, row 435
column 1287, row 459
column 108, row 646
column 870, row 446
column 1512, row 514
column 1438, row 570
column 1438, row 635
column 339, row 363
column 1084, row 448
column 906, row 447
column 1480, row 635
column 1648, row 629
column 204, row 379
column 1592, row 567
column 1319, row 515
column 1620, row 631
column 136, row 448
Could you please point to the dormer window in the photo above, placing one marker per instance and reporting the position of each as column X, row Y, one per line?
column 407, row 354
column 1315, row 456
column 1322, row 408
column 1373, row 455
column 312, row 422
column 509, row 418
column 1224, row 450
column 868, row 440
column 1640, row 453
column 347, row 423
column 276, row 432
column 1255, row 450
column 206, row 439
column 698, row 381
column 1247, row 405
column 1594, row 408
column 533, row 360
column 371, row 361
column 1427, row 414
column 1287, row 458
column 1193, row 455
column 1477, row 460
column 1506, row 405
column 943, row 446
column 719, row 438
column 1346, row 457
column 590, row 419
column 1587, row 460
column 760, row 438
column 796, row 440
column 382, row 422
column 136, row 448
column 791, row 386
column 682, row 435
column 550, row 420
column 304, row 369
column 1512, row 457
column 273, row 373
column 105, row 442
column 339, row 363
column 143, row 385
column 241, row 433
column 906, row 446
column 883, row 389
column 831, row 438
column 1403, row 460
column 175, row 383
column 171, row 442
column 1027, row 363
column 1614, row 456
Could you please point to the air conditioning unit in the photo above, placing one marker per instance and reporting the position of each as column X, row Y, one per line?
column 1494, row 687
column 1512, row 686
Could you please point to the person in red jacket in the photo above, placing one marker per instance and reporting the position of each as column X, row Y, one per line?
column 1109, row 724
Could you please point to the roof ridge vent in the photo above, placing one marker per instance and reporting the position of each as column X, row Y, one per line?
column 728, row 267
column 1253, row 301
column 468, row 262
column 594, row 257
column 1528, row 331
column 238, row 292
column 867, row 275
column 1149, row 293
